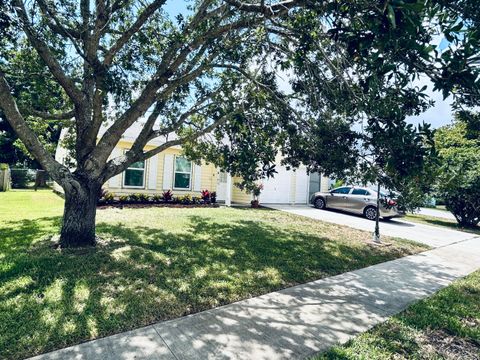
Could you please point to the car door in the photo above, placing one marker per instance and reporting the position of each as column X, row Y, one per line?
column 338, row 198
column 358, row 199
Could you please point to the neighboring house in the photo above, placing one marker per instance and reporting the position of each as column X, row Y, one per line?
column 169, row 170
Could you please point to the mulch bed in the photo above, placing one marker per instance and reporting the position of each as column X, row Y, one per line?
column 148, row 205
column 450, row 347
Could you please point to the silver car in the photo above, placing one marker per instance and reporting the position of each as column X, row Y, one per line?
column 357, row 200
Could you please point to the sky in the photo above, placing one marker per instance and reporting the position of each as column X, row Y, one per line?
column 441, row 113
column 438, row 115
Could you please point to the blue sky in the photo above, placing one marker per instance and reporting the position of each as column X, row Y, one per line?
column 438, row 115
column 441, row 113
column 175, row 7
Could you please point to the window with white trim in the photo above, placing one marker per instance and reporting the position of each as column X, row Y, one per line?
column 182, row 178
column 134, row 176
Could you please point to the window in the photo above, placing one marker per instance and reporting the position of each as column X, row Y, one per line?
column 183, row 173
column 360, row 192
column 342, row 190
column 222, row 177
column 134, row 176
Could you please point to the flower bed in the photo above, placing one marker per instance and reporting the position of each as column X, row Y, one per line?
column 139, row 200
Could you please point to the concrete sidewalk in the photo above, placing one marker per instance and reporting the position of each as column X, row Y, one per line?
column 434, row 236
column 295, row 322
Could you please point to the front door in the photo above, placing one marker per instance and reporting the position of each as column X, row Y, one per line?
column 222, row 186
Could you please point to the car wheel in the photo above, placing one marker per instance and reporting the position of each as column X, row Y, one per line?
column 319, row 203
column 370, row 213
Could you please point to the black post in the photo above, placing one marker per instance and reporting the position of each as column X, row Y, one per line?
column 376, row 235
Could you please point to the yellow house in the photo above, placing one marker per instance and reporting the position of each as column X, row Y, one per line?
column 170, row 170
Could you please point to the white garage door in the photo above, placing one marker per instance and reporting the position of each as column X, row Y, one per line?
column 276, row 190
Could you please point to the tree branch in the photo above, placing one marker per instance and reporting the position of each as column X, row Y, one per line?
column 118, row 165
column 266, row 10
column 56, row 25
column 127, row 35
column 49, row 116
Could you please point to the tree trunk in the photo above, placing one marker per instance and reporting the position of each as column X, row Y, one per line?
column 78, row 227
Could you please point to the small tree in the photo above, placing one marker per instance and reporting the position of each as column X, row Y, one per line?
column 459, row 172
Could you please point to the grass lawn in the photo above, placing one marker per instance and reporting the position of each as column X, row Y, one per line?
column 155, row 264
column 431, row 220
column 444, row 326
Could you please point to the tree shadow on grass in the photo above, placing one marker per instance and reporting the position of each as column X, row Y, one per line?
column 21, row 234
column 140, row 275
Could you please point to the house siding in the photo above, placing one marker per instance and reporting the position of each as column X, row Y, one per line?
column 208, row 177
column 239, row 196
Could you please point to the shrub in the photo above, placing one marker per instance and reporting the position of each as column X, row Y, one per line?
column 110, row 197
column 143, row 198
column 205, row 195
column 20, row 178
column 213, row 197
column 133, row 198
column 138, row 198
column 464, row 204
column 157, row 198
column 197, row 200
column 123, row 198
column 167, row 195
column 439, row 201
column 106, row 197
column 458, row 180
column 186, row 199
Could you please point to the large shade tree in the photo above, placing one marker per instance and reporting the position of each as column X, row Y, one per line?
column 206, row 80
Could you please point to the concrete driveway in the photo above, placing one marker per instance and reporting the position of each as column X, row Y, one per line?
column 433, row 236
column 442, row 214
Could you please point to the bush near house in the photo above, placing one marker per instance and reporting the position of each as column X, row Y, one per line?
column 167, row 195
column 167, row 198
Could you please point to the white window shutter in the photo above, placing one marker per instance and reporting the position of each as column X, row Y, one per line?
column 197, row 173
column 167, row 172
column 115, row 181
column 152, row 172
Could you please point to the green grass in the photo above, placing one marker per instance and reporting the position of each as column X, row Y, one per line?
column 435, row 221
column 444, row 326
column 155, row 264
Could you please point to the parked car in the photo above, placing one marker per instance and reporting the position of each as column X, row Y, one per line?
column 358, row 200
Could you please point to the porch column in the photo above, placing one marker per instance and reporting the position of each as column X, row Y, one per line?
column 228, row 192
